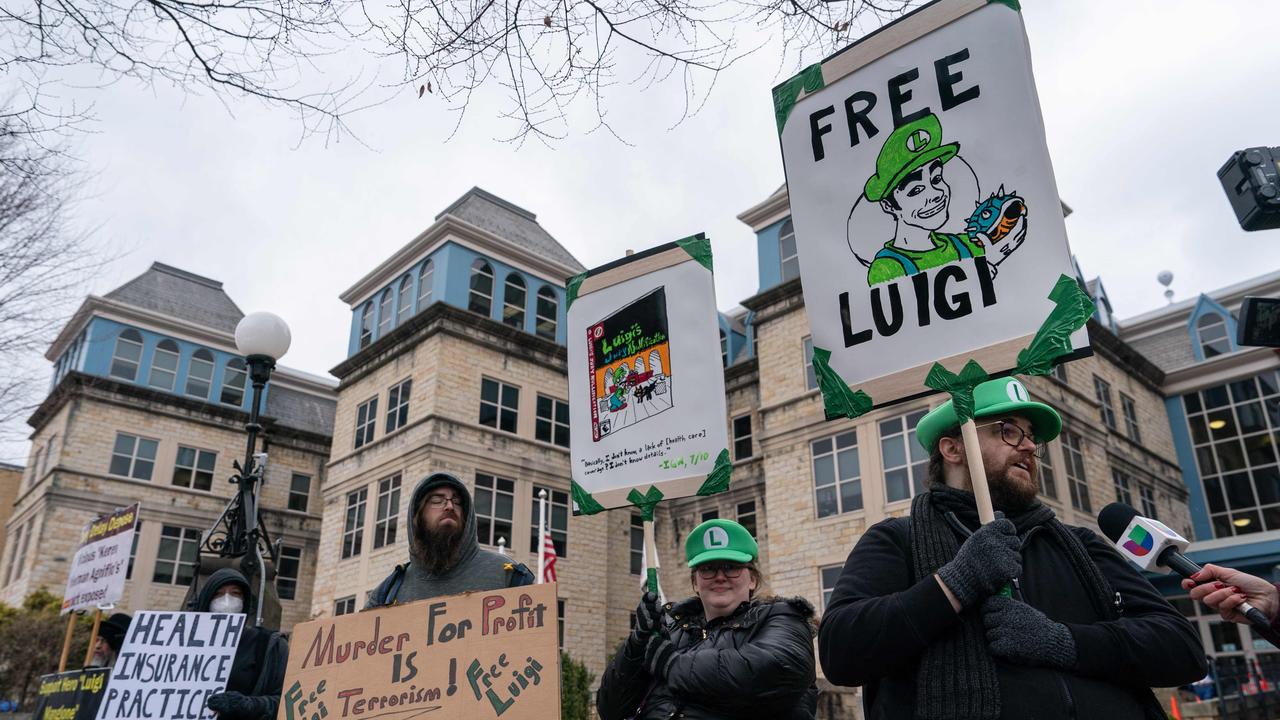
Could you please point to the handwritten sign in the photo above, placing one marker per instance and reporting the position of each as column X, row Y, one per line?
column 480, row 655
column 169, row 665
column 98, row 569
column 70, row 695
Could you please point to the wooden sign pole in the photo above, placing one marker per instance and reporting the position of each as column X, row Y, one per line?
column 93, row 636
column 651, row 556
column 977, row 472
column 66, row 641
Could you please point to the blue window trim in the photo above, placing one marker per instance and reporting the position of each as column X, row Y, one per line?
column 1206, row 305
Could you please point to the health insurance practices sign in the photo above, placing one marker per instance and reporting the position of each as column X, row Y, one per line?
column 98, row 570
column 927, row 218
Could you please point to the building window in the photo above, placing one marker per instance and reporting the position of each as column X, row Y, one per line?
column 557, row 519
column 1124, row 489
column 787, row 252
column 1060, row 372
column 724, row 349
column 1235, row 430
column 366, row 324
column 299, row 492
column 747, row 516
column 1147, row 496
column 830, row 576
column 495, row 505
column 385, row 317
column 560, row 606
column 200, row 374
column 287, row 572
column 426, row 274
column 1048, row 478
column 499, row 405
column 164, row 366
column 127, row 355
column 176, row 557
column 1073, row 458
column 404, row 298
column 1214, row 339
column 194, row 468
column 637, row 544
column 810, row 378
column 366, row 418
column 353, row 529
column 233, row 379
column 548, row 307
column 552, row 424
column 837, row 479
column 15, row 559
column 905, row 462
column 1130, row 410
column 742, row 437
column 133, row 457
column 344, row 606
column 1102, row 392
column 398, row 405
column 710, row 515
column 480, row 298
column 513, row 299
column 384, row 528
column 133, row 550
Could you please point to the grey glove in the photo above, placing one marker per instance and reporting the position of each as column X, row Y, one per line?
column 648, row 614
column 237, row 706
column 987, row 561
column 1016, row 631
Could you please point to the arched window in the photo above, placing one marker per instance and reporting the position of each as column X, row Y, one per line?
column 480, row 299
column 724, row 349
column 200, row 374
column 1214, row 340
column 233, row 377
column 548, row 308
column 405, row 309
column 366, row 324
column 426, row 274
column 127, row 355
column 787, row 252
column 384, row 314
column 513, row 297
column 164, row 366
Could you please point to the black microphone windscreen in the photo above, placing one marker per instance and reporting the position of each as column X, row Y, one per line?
column 1114, row 518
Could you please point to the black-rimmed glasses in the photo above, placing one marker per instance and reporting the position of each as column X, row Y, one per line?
column 1012, row 435
column 708, row 571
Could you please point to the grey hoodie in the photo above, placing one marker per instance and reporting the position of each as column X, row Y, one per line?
column 477, row 568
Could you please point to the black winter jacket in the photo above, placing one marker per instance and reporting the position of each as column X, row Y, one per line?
column 879, row 623
column 757, row 662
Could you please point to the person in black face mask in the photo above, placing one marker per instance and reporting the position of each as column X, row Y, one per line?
column 257, row 671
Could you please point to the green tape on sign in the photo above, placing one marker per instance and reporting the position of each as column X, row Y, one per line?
column 718, row 480
column 646, row 502
column 699, row 248
column 837, row 399
column 1072, row 309
column 571, row 289
column 785, row 95
column 959, row 386
column 1012, row 4
column 587, row 505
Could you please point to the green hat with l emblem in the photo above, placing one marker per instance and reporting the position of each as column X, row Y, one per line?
column 1002, row 396
column 908, row 149
column 720, row 540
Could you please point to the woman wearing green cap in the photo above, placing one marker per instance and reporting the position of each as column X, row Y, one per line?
column 723, row 653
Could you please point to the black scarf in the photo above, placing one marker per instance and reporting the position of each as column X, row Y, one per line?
column 956, row 678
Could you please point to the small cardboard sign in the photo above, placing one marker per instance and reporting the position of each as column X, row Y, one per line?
column 169, row 665
column 98, row 569
column 70, row 695
column 479, row 655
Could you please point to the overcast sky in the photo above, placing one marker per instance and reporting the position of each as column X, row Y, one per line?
column 1143, row 101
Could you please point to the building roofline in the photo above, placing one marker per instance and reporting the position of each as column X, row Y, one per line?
column 11, row 466
column 768, row 211
column 186, row 275
column 1177, row 313
column 477, row 191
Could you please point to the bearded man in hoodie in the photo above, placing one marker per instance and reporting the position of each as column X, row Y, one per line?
column 445, row 557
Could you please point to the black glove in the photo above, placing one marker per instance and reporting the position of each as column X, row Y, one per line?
column 658, row 656
column 987, row 561
column 237, row 706
column 1016, row 631
column 648, row 615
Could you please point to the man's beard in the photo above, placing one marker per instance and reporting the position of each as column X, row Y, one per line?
column 440, row 548
column 1008, row 494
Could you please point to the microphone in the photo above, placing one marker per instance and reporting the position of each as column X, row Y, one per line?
column 1153, row 546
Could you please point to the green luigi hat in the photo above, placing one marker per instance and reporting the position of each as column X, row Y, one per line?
column 1002, row 396
column 720, row 540
column 908, row 149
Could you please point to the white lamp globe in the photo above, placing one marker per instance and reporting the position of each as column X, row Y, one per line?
column 263, row 333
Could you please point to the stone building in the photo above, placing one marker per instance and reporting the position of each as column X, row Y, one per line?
column 148, row 403
column 10, row 479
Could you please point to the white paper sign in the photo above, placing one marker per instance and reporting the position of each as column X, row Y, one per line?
column 169, row 665
column 101, row 562
column 646, row 382
column 927, row 219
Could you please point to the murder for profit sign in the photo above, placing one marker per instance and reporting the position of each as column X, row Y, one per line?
column 169, row 665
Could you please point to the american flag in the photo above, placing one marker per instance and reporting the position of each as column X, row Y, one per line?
column 549, row 558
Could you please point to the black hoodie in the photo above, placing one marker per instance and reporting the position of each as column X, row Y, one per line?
column 259, row 664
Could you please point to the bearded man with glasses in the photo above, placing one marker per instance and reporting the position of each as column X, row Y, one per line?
column 939, row 617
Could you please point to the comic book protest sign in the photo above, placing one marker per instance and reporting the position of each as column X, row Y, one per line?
column 70, row 695
column 99, row 566
column 169, row 665
column 479, row 655
column 646, row 380
column 927, row 218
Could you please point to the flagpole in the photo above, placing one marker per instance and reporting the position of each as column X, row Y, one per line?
column 542, row 535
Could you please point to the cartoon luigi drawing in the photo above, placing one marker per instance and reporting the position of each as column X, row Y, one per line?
column 910, row 186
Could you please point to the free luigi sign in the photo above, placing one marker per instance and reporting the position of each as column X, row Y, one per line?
column 927, row 219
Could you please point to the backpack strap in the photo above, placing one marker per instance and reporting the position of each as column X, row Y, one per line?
column 519, row 576
column 386, row 592
column 909, row 266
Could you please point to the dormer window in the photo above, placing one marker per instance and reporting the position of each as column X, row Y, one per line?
column 127, row 355
column 724, row 349
column 787, row 252
column 480, row 298
column 164, row 366
column 200, row 374
column 513, row 299
column 547, row 310
column 384, row 314
column 1214, row 340
column 405, row 299
column 366, row 324
column 426, row 274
